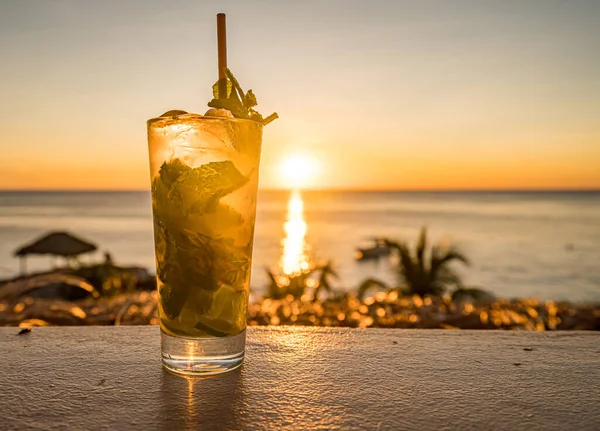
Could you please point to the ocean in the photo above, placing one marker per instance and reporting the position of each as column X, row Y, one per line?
column 520, row 244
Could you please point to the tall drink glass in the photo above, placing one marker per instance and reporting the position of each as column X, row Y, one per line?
column 204, row 173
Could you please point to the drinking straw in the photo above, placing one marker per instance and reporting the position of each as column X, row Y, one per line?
column 222, row 50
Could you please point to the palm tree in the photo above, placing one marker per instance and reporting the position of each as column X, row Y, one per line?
column 427, row 273
column 323, row 283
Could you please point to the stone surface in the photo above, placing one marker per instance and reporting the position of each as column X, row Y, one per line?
column 304, row 378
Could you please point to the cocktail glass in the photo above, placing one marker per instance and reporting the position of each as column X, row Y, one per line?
column 204, row 173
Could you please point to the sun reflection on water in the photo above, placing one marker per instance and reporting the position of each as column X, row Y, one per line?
column 294, row 258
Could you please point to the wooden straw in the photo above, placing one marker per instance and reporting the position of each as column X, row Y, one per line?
column 222, row 47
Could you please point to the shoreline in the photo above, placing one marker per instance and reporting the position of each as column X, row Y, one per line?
column 145, row 281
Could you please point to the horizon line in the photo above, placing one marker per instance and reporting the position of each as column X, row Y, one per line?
column 336, row 190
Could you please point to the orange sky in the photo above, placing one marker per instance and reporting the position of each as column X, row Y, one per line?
column 381, row 95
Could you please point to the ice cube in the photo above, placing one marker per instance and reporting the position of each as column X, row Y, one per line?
column 216, row 112
column 173, row 113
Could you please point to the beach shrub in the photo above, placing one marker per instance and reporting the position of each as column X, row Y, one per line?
column 316, row 281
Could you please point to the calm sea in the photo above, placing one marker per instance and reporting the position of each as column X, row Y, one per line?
column 521, row 244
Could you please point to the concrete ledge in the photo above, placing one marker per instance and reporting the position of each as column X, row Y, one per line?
column 304, row 378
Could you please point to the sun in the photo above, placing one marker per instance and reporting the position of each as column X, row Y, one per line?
column 298, row 170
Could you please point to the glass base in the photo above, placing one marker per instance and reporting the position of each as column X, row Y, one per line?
column 202, row 356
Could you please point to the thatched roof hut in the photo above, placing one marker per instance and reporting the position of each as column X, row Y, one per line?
column 57, row 244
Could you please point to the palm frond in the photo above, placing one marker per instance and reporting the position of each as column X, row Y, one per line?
column 440, row 259
column 454, row 253
column 407, row 267
column 368, row 284
column 273, row 288
column 420, row 250
column 327, row 270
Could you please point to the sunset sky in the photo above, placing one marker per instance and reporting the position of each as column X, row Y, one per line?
column 378, row 94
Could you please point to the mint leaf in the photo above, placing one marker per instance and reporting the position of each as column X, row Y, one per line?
column 199, row 190
column 234, row 105
column 223, row 222
column 171, row 301
column 208, row 326
column 187, row 263
column 250, row 100
column 234, row 102
column 195, row 251
column 227, row 313
column 219, row 260
column 232, row 264
column 172, row 287
column 217, row 86
column 236, row 85
column 240, row 104
column 170, row 171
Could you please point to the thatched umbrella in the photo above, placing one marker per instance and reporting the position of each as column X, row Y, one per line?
column 57, row 244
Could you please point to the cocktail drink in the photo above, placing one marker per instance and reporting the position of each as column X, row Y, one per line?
column 204, row 175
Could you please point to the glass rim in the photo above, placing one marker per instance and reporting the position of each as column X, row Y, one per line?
column 189, row 116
